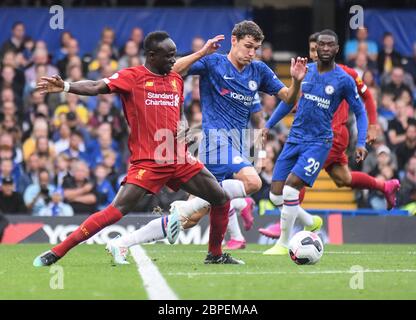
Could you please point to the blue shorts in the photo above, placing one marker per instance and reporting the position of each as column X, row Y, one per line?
column 305, row 160
column 226, row 163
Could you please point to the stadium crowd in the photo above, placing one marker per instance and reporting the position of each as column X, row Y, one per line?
column 66, row 154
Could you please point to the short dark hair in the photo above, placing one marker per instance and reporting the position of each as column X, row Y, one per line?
column 329, row 32
column 314, row 37
column 153, row 39
column 247, row 28
column 387, row 34
column 17, row 23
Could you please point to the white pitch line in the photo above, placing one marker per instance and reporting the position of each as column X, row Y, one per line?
column 249, row 273
column 153, row 281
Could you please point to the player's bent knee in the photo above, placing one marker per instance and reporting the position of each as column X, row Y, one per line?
column 253, row 184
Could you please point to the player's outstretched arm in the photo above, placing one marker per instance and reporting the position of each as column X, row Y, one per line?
column 298, row 71
column 183, row 64
column 86, row 88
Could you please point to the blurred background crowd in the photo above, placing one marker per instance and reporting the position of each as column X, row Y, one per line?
column 63, row 154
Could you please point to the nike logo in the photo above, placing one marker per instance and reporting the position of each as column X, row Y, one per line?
column 228, row 78
column 303, row 82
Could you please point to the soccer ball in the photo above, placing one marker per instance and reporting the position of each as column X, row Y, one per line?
column 306, row 248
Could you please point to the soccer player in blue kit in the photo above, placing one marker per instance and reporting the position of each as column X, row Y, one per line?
column 229, row 85
column 310, row 137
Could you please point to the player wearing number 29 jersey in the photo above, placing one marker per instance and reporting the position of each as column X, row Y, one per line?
column 310, row 137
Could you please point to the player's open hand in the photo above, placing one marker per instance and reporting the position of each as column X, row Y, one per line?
column 298, row 68
column 49, row 85
column 212, row 45
column 360, row 154
column 371, row 133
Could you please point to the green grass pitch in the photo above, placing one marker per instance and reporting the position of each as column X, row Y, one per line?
column 389, row 273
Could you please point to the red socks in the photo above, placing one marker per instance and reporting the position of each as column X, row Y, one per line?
column 361, row 180
column 88, row 228
column 218, row 227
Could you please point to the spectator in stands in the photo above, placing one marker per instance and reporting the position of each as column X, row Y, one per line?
column 108, row 38
column 32, row 168
column 397, row 126
column 395, row 82
column 267, row 55
column 76, row 141
column 384, row 159
column 96, row 67
column 10, row 169
column 7, row 95
column 56, row 207
column 406, row 149
column 388, row 57
column 410, row 63
column 79, row 192
column 11, row 202
column 9, row 79
column 16, row 41
column 130, row 50
column 109, row 160
column 63, row 134
column 351, row 46
column 8, row 143
column 407, row 192
column 40, row 129
column 38, row 194
column 66, row 36
column 105, row 190
column 386, row 109
column 71, row 57
column 61, row 169
column 46, row 152
column 72, row 104
column 10, row 60
column 106, row 113
column 40, row 57
column 137, row 36
column 361, row 64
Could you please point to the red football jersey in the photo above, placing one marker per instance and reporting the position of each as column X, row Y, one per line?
column 151, row 105
column 341, row 115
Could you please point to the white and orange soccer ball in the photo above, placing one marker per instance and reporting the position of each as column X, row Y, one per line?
column 306, row 248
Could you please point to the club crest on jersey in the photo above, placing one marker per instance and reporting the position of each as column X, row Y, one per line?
column 237, row 160
column 173, row 83
column 329, row 89
column 252, row 85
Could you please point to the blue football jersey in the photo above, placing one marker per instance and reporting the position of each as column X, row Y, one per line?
column 321, row 97
column 229, row 96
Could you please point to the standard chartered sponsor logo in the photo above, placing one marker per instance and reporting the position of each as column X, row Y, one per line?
column 321, row 102
column 162, row 99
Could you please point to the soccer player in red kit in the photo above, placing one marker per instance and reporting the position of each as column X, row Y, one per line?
column 337, row 162
column 152, row 96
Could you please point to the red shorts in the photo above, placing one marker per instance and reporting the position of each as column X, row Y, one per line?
column 337, row 153
column 153, row 176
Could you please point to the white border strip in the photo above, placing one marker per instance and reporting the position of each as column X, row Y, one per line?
column 153, row 281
